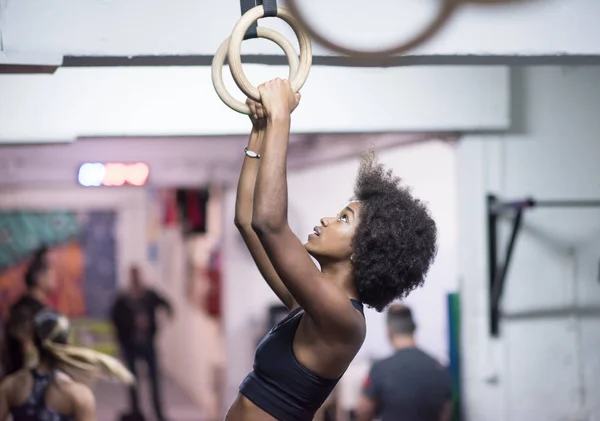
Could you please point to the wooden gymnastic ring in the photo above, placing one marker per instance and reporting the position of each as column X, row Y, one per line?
column 221, row 55
column 446, row 10
column 235, row 44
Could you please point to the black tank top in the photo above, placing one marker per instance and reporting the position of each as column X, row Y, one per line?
column 279, row 384
column 35, row 409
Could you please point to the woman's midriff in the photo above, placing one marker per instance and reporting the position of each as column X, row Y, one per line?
column 243, row 409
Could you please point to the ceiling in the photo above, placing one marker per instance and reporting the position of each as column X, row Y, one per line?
column 180, row 160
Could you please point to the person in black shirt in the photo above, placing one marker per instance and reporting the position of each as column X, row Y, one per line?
column 41, row 282
column 134, row 317
column 409, row 385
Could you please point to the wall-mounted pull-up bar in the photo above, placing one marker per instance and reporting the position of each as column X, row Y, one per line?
column 498, row 270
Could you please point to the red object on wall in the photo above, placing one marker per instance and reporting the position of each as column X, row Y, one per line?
column 171, row 212
column 213, row 304
column 195, row 202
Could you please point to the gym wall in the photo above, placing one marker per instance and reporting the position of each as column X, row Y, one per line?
column 540, row 367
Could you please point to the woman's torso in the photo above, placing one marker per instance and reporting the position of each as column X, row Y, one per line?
column 36, row 396
column 321, row 359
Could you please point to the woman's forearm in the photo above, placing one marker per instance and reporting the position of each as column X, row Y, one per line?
column 247, row 180
column 271, row 198
column 244, row 219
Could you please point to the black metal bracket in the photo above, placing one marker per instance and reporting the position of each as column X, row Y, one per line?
column 270, row 11
column 498, row 270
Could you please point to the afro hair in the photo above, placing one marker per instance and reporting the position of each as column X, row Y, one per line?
column 395, row 241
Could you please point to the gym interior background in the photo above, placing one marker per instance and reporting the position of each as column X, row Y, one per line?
column 497, row 114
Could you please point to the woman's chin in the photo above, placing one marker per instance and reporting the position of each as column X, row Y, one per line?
column 310, row 248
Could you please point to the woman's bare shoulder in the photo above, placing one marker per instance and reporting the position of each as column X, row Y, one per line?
column 70, row 386
column 78, row 394
column 16, row 378
column 12, row 386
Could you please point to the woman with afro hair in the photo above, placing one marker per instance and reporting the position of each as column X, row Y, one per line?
column 378, row 248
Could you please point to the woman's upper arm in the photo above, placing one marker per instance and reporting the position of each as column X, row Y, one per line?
column 327, row 305
column 265, row 267
column 85, row 404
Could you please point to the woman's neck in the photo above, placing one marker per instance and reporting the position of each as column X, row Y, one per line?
column 45, row 367
column 341, row 274
column 403, row 342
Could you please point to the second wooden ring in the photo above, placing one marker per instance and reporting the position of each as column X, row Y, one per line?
column 235, row 44
column 221, row 55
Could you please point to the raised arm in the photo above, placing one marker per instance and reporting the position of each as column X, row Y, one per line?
column 243, row 208
column 162, row 302
column 325, row 303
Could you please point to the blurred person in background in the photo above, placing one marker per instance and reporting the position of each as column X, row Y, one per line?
column 134, row 315
column 349, row 389
column 47, row 391
column 410, row 385
column 41, row 283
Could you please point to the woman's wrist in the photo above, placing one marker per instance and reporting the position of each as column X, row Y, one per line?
column 278, row 119
column 278, row 126
column 256, row 140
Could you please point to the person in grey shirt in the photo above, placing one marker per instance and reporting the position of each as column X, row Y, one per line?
column 409, row 385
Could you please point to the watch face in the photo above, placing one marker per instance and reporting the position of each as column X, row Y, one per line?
column 250, row 153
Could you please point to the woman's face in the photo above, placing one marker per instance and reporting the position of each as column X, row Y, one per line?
column 332, row 240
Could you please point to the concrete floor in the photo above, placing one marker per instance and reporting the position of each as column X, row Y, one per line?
column 113, row 399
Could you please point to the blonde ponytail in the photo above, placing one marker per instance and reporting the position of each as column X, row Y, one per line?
column 90, row 361
column 84, row 359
